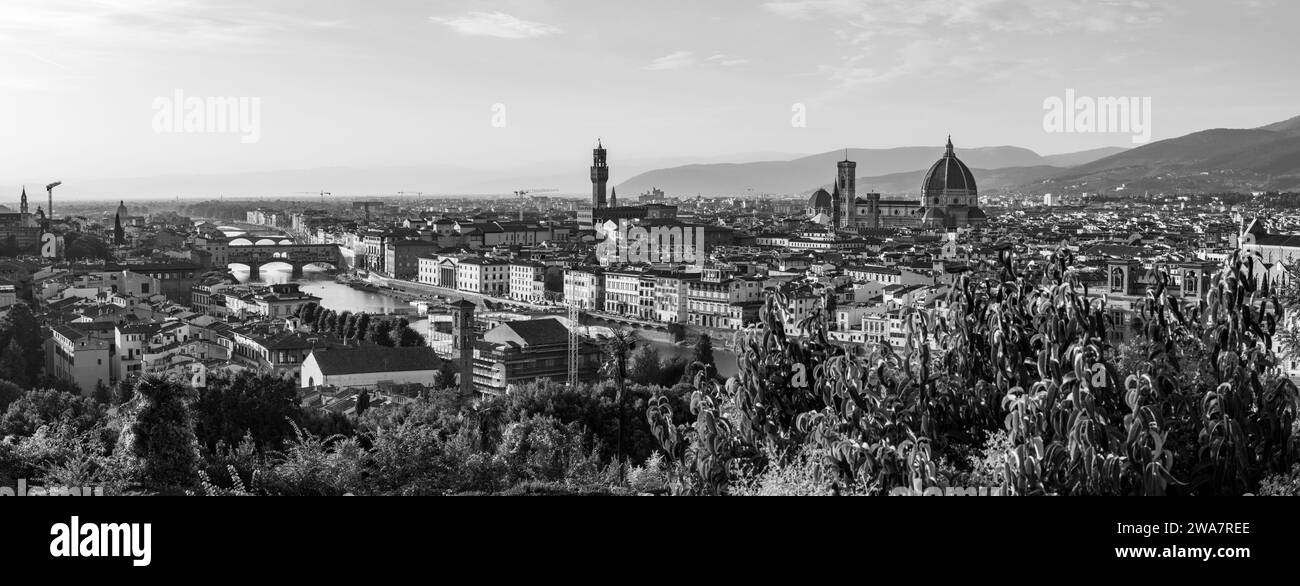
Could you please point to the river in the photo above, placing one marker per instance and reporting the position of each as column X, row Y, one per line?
column 334, row 295
column 725, row 360
column 339, row 297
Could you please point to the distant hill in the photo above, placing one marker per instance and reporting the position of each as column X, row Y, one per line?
column 1291, row 126
column 1210, row 160
column 1266, row 158
column 804, row 174
column 1082, row 157
column 889, row 171
column 909, row 183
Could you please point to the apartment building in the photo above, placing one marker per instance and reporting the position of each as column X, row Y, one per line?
column 528, row 281
column 630, row 292
column 584, row 288
column 73, row 355
column 484, row 276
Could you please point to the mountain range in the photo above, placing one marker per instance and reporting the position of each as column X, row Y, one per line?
column 1264, row 158
column 889, row 171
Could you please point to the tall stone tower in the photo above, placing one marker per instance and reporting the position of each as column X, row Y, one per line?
column 462, row 342
column 22, row 204
column 599, row 176
column 847, row 184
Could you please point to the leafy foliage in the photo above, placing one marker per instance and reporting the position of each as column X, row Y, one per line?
column 161, row 434
column 232, row 406
column 41, row 407
column 1198, row 416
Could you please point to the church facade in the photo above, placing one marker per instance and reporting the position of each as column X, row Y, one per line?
column 949, row 199
column 20, row 231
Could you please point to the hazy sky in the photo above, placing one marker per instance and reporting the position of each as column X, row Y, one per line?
column 401, row 82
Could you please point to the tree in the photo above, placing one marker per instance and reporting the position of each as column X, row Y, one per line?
column 672, row 370
column 9, row 392
column 382, row 333
column 161, row 434
column 345, row 324
column 87, row 247
column 405, row 337
column 47, row 406
column 616, row 349
column 308, row 312
column 258, row 405
column 13, row 365
column 20, row 325
column 125, row 390
column 361, row 330
column 704, row 350
column 644, row 366
column 102, row 394
column 48, row 381
column 677, row 331
column 363, row 402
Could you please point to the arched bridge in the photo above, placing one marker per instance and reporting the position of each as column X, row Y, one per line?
column 223, row 253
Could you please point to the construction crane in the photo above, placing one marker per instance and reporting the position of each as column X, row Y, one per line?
column 49, row 189
column 322, row 195
column 524, row 193
column 574, row 317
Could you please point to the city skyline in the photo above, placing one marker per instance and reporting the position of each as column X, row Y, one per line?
column 427, row 85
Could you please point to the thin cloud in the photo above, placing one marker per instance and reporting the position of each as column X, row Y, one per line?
column 150, row 24
column 678, row 60
column 896, row 40
column 1021, row 16
column 727, row 60
column 497, row 24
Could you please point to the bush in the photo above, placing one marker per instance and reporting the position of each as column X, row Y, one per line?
column 49, row 406
column 651, row 478
column 161, row 435
column 989, row 468
column 1191, row 408
column 314, row 466
column 541, row 449
column 1282, row 484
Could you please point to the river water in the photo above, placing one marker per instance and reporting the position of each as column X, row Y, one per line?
column 339, row 297
column 334, row 295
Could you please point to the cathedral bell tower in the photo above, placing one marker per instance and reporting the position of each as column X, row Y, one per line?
column 847, row 185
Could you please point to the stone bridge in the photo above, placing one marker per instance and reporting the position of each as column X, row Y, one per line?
column 265, row 251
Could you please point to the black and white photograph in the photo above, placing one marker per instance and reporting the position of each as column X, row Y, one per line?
column 583, row 248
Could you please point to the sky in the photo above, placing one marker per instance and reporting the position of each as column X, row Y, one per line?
column 506, row 84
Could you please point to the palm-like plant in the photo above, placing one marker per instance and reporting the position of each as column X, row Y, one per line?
column 616, row 348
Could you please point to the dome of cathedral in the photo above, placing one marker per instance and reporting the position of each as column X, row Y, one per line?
column 934, row 216
column 949, row 176
column 976, row 214
column 820, row 200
